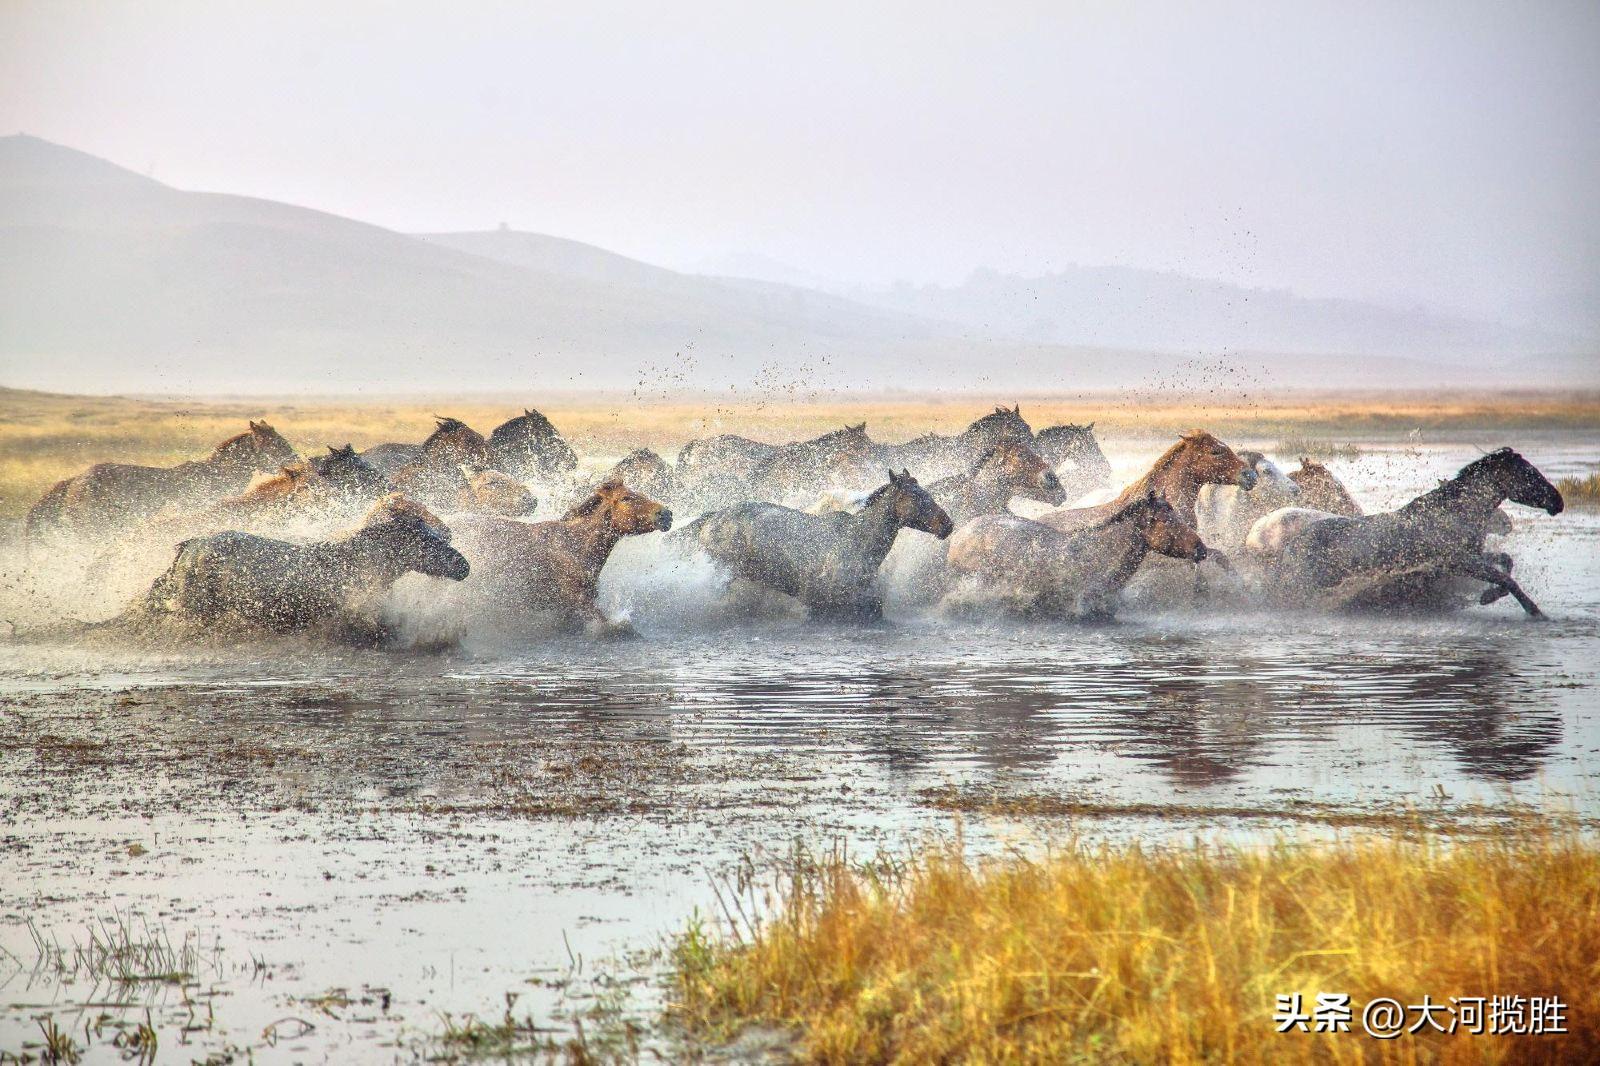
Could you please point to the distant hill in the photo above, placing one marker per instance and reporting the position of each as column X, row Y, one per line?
column 111, row 281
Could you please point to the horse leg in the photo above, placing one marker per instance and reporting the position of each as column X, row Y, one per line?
column 1483, row 570
column 1502, row 561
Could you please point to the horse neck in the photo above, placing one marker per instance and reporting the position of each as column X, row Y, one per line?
column 873, row 529
column 968, row 497
column 361, row 559
column 1169, row 478
column 1473, row 496
column 598, row 535
column 1125, row 547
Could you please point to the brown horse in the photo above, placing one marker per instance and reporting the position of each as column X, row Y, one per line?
column 434, row 475
column 530, row 448
column 491, row 492
column 1321, row 490
column 1008, row 469
column 238, row 580
column 553, row 568
column 729, row 468
column 1033, row 569
column 1197, row 459
column 935, row 456
column 111, row 496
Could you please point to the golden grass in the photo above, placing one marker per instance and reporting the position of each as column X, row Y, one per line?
column 1157, row 954
column 45, row 437
column 1580, row 491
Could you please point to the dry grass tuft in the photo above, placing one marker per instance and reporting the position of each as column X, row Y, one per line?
column 1580, row 491
column 1139, row 954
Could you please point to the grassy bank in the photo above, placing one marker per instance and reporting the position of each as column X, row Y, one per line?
column 1136, row 954
column 1580, row 491
column 45, row 437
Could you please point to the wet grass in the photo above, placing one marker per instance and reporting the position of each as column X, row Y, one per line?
column 1580, row 491
column 45, row 437
column 1135, row 954
column 1454, row 818
column 123, row 949
column 1317, row 448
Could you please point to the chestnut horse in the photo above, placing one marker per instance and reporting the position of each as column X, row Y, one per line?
column 112, row 496
column 1033, row 569
column 553, row 568
column 1320, row 490
column 435, row 474
column 1414, row 554
column 1197, row 459
column 239, row 580
column 828, row 562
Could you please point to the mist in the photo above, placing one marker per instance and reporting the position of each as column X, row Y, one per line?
column 1408, row 184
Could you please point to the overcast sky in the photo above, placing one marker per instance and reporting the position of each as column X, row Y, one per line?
column 1439, row 152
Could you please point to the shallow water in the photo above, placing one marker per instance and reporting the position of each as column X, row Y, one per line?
column 448, row 826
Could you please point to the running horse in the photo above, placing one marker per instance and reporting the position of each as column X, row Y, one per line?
column 529, row 447
column 828, row 562
column 535, row 571
column 1413, row 555
column 434, row 474
column 1197, row 459
column 112, row 496
column 239, row 580
column 935, row 456
column 1033, row 569
column 1075, row 447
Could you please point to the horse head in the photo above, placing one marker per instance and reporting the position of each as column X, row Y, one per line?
column 623, row 510
column 497, row 493
column 258, row 448
column 1269, row 475
column 1022, row 471
column 530, row 436
column 411, row 537
column 1003, row 423
column 912, row 505
column 1163, row 528
column 349, row 473
column 1517, row 480
column 1077, row 445
column 1208, row 461
column 453, row 442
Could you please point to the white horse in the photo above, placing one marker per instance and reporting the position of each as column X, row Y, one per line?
column 1226, row 513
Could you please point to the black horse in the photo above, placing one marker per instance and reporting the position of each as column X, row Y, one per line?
column 829, row 562
column 530, row 448
column 1412, row 555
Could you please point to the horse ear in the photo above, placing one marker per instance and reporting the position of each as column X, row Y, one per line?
column 1090, row 427
column 894, row 479
column 905, row 475
column 1016, row 408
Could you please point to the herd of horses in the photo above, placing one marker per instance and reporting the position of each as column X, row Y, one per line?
column 813, row 520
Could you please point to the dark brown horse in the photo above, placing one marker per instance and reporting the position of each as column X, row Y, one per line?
column 935, row 456
column 1413, row 555
column 530, row 448
column 435, row 474
column 828, row 562
column 113, row 496
column 1031, row 569
column 1008, row 469
column 238, row 580
column 541, row 570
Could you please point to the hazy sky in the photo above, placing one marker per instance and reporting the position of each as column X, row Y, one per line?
column 1444, row 152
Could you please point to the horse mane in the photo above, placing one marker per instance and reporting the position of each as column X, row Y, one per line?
column 592, row 503
column 1453, row 488
column 397, row 506
column 998, row 447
